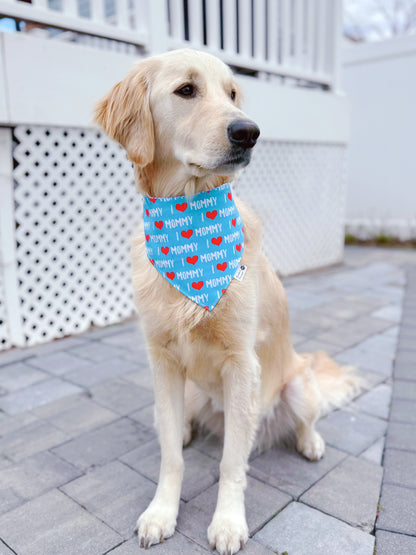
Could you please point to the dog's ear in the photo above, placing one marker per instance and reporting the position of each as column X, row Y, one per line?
column 124, row 114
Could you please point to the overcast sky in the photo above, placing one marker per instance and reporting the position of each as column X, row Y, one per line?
column 379, row 19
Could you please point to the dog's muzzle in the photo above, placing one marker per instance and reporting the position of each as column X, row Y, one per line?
column 243, row 133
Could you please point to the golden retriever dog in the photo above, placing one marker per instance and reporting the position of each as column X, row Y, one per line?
column 232, row 369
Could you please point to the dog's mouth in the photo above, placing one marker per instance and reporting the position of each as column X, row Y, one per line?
column 229, row 163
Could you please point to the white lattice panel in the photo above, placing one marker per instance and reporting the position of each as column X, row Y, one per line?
column 76, row 209
column 298, row 189
column 4, row 328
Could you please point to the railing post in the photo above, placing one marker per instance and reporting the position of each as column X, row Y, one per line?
column 8, row 257
column 157, row 12
column 337, row 38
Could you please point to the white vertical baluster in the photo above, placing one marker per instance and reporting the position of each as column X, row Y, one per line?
column 140, row 15
column 286, row 27
column 298, row 33
column 245, row 27
column 158, row 26
column 260, row 24
column 213, row 24
column 321, row 31
column 40, row 4
column 230, row 26
column 70, row 8
column 311, row 34
column 97, row 11
column 273, row 31
column 336, row 24
column 196, row 30
column 177, row 20
column 122, row 13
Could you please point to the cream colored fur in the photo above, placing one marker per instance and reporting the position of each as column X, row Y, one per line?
column 234, row 369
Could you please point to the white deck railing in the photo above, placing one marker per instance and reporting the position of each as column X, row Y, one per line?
column 67, row 200
column 126, row 24
column 289, row 38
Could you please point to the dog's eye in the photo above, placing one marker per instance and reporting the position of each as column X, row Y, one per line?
column 233, row 95
column 187, row 91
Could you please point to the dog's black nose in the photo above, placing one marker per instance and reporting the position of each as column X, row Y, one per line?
column 243, row 132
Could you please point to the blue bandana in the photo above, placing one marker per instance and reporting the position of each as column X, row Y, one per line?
column 196, row 244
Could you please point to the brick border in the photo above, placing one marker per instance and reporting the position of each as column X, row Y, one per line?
column 396, row 522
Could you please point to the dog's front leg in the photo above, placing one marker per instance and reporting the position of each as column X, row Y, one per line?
column 228, row 530
column 159, row 520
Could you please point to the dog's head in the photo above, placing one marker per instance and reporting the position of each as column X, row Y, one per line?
column 179, row 113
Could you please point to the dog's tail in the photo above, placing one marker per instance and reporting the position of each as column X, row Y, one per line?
column 337, row 384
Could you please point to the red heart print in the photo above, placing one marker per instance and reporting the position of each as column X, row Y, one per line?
column 198, row 285
column 234, row 221
column 159, row 225
column 170, row 275
column 230, row 196
column 242, row 229
column 147, row 212
column 223, row 291
column 222, row 266
column 165, row 250
column 206, row 307
column 238, row 247
column 192, row 259
column 152, row 261
column 212, row 215
column 182, row 207
column 216, row 241
column 187, row 234
column 153, row 200
column 147, row 237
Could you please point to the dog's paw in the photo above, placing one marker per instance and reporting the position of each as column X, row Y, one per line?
column 311, row 446
column 227, row 534
column 155, row 525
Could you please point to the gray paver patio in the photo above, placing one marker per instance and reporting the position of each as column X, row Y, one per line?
column 79, row 456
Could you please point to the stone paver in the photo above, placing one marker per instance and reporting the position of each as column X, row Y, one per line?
column 262, row 502
column 27, row 529
column 59, row 363
column 301, row 530
column 103, row 444
column 37, row 474
column 121, row 397
column 388, row 543
column 397, row 509
column 375, row 353
column 75, row 414
column 99, row 372
column 79, row 457
column 375, row 452
column 290, row 472
column 201, row 471
column 401, row 436
column 115, row 494
column 176, row 545
column 38, row 394
column 349, row 492
column 400, row 468
column 30, row 439
column 403, row 411
column 359, row 430
column 397, row 504
column 376, row 402
column 19, row 375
